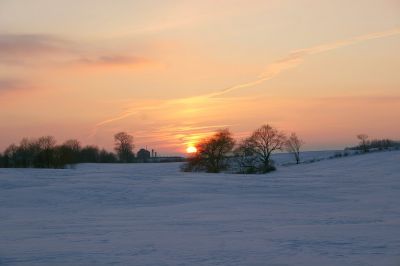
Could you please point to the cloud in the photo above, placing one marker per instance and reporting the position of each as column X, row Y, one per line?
column 113, row 60
column 26, row 44
column 32, row 49
column 292, row 60
column 369, row 99
column 295, row 58
column 20, row 48
column 175, row 134
column 8, row 85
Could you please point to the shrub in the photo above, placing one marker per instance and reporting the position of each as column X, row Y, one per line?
column 211, row 153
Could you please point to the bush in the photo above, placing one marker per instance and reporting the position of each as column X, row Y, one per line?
column 248, row 162
column 378, row 144
column 337, row 155
column 193, row 164
column 211, row 153
column 268, row 168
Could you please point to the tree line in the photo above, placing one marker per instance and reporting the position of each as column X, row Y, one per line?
column 366, row 145
column 214, row 154
column 250, row 155
column 44, row 152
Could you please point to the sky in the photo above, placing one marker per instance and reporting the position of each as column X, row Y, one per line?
column 172, row 72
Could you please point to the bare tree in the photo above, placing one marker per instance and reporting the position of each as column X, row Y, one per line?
column 46, row 146
column 10, row 156
column 263, row 142
column 73, row 144
column 28, row 149
column 89, row 154
column 124, row 147
column 363, row 142
column 70, row 152
column 47, row 142
column 245, row 160
column 293, row 145
column 211, row 152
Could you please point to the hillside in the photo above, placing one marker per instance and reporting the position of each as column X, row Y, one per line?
column 334, row 212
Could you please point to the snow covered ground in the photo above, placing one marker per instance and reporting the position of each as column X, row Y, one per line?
column 342, row 211
column 307, row 156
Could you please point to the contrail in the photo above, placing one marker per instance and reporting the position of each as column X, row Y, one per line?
column 292, row 60
column 295, row 58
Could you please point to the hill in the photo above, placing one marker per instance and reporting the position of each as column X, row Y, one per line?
column 342, row 211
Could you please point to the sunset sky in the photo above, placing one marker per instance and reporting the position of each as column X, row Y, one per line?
column 171, row 72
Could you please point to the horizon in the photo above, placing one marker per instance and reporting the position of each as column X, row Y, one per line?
column 187, row 153
column 171, row 73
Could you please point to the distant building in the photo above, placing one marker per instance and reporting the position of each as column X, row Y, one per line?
column 143, row 156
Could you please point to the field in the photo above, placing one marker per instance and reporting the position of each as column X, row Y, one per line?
column 343, row 211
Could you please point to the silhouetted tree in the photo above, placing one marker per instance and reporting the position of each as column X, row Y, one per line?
column 69, row 152
column 11, row 156
column 262, row 142
column 293, row 145
column 107, row 157
column 25, row 156
column 363, row 138
column 89, row 154
column 44, row 153
column 380, row 144
column 211, row 152
column 73, row 145
column 124, row 147
column 245, row 158
column 29, row 150
column 46, row 149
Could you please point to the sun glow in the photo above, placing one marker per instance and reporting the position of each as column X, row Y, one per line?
column 191, row 149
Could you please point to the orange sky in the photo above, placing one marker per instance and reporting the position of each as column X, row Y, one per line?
column 171, row 72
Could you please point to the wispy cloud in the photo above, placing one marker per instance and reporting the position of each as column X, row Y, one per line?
column 29, row 49
column 21, row 48
column 295, row 58
column 8, row 85
column 113, row 61
column 292, row 60
column 50, row 52
column 175, row 134
column 32, row 44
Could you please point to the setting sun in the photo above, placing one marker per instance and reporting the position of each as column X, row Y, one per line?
column 171, row 130
column 191, row 149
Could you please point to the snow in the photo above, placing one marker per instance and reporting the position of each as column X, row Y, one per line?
column 342, row 211
column 308, row 156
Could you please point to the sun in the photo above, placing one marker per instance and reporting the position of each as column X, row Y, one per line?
column 191, row 149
